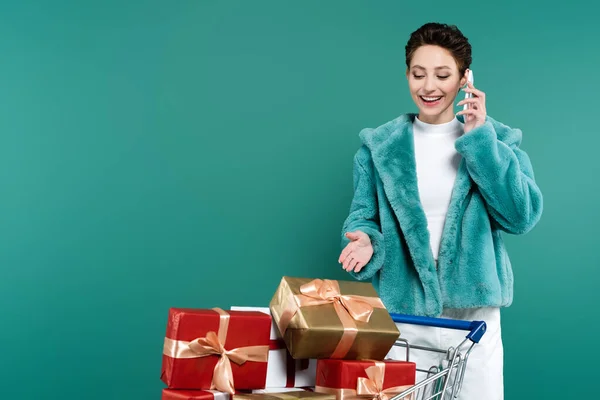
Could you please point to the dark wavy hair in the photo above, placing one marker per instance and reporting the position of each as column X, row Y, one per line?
column 447, row 36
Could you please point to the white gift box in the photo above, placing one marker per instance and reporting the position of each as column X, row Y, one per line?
column 220, row 395
column 277, row 365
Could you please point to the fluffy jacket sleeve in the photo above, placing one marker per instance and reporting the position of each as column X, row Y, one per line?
column 504, row 176
column 364, row 214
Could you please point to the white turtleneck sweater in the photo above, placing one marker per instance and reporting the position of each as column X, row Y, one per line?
column 437, row 163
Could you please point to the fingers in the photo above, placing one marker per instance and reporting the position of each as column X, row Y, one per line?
column 473, row 100
column 475, row 113
column 347, row 262
column 346, row 252
column 358, row 267
column 352, row 235
column 468, row 111
column 352, row 264
column 472, row 114
column 472, row 111
column 356, row 235
column 475, row 106
column 471, row 89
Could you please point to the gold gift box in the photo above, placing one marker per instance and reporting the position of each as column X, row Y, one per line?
column 284, row 396
column 315, row 331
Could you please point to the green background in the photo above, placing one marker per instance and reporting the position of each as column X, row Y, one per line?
column 190, row 153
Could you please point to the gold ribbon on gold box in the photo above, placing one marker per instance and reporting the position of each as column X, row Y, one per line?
column 332, row 319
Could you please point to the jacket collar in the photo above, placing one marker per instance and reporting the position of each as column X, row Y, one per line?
column 392, row 150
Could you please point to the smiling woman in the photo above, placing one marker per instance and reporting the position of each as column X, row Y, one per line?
column 433, row 192
column 422, row 80
column 436, row 70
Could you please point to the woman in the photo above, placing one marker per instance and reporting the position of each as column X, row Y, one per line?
column 433, row 193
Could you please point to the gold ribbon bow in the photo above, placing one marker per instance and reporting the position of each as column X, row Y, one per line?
column 349, row 308
column 326, row 291
column 373, row 385
column 214, row 344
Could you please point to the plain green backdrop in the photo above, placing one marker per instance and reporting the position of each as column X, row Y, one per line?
column 190, row 153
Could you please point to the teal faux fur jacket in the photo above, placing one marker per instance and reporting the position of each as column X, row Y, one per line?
column 494, row 191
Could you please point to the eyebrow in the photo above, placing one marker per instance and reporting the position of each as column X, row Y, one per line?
column 441, row 67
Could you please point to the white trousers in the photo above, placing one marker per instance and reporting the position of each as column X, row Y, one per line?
column 484, row 376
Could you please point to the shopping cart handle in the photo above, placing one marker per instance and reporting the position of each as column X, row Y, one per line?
column 476, row 328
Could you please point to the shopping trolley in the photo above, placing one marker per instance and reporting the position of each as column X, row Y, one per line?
column 443, row 381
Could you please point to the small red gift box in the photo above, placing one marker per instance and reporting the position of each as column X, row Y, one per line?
column 371, row 379
column 216, row 349
column 175, row 394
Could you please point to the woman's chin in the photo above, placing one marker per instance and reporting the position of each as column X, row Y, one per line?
column 437, row 114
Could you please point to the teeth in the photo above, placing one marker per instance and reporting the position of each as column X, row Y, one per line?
column 431, row 98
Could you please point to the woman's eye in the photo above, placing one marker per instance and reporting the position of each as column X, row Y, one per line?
column 444, row 77
column 419, row 76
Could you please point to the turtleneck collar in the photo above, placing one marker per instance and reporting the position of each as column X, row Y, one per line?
column 451, row 126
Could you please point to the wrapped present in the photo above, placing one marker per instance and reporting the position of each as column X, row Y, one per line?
column 326, row 319
column 183, row 394
column 215, row 349
column 283, row 371
column 293, row 395
column 367, row 380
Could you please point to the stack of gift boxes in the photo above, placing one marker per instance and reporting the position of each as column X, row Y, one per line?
column 318, row 339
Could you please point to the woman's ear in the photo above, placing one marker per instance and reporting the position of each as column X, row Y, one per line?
column 463, row 80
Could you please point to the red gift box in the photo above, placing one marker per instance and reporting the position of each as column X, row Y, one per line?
column 371, row 379
column 216, row 349
column 174, row 394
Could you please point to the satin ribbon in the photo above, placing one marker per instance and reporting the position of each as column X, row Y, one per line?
column 349, row 308
column 368, row 388
column 214, row 344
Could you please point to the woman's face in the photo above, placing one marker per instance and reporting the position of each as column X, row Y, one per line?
column 434, row 82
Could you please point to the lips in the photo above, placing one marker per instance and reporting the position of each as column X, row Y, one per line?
column 431, row 101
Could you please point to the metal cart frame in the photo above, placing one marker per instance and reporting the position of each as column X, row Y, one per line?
column 444, row 381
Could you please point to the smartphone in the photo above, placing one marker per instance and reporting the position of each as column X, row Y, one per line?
column 468, row 95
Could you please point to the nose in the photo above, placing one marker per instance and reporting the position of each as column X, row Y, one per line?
column 429, row 85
